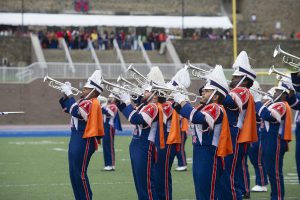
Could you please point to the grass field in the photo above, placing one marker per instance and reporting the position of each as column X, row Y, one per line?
column 37, row 168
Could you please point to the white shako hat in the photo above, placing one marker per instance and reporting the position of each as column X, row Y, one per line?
column 242, row 66
column 181, row 79
column 216, row 80
column 156, row 76
column 94, row 81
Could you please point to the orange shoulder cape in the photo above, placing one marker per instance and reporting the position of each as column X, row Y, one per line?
column 94, row 126
column 225, row 145
column 248, row 133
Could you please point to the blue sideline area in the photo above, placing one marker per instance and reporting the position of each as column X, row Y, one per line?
column 46, row 131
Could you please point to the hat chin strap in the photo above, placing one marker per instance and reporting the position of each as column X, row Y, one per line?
column 278, row 96
column 89, row 94
column 151, row 96
column 239, row 83
column 211, row 96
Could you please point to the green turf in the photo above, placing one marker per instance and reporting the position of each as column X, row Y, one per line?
column 31, row 168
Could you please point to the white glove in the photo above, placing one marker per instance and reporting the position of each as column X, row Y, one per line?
column 178, row 97
column 66, row 89
column 125, row 98
column 256, row 96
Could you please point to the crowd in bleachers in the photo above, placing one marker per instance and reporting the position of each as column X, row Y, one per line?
column 83, row 39
column 76, row 39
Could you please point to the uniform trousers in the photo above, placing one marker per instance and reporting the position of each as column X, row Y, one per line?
column 297, row 154
column 274, row 149
column 108, row 145
column 243, row 175
column 163, row 177
column 142, row 154
column 181, row 155
column 207, row 169
column 233, row 165
column 255, row 155
column 80, row 153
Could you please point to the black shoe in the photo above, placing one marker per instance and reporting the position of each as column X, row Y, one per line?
column 246, row 195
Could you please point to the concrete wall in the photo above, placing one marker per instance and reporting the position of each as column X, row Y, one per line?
column 16, row 49
column 268, row 12
column 166, row 7
column 220, row 52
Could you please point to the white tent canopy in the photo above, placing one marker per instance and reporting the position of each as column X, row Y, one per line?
column 38, row 19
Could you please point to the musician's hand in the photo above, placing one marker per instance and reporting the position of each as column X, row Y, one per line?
column 66, row 89
column 177, row 107
column 256, row 96
column 178, row 97
column 125, row 98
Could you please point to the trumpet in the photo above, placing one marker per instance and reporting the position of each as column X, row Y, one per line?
column 279, row 75
column 196, row 71
column 137, row 76
column 57, row 85
column 261, row 92
column 110, row 87
column 163, row 90
column 287, row 58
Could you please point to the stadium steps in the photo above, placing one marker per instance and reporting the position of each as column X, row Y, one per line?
column 54, row 55
column 133, row 56
column 155, row 57
column 107, row 56
column 81, row 56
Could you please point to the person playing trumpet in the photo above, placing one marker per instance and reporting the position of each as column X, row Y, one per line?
column 240, row 109
column 86, row 131
column 148, row 119
column 211, row 135
column 277, row 132
column 255, row 149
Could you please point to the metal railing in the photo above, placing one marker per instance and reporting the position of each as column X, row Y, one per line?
column 110, row 71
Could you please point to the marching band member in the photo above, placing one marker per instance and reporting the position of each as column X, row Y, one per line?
column 149, row 121
column 181, row 80
column 240, row 109
column 86, row 130
column 294, row 102
column 211, row 137
column 112, row 123
column 165, row 156
column 277, row 132
column 255, row 152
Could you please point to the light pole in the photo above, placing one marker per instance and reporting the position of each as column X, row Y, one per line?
column 234, row 29
column 22, row 13
column 182, row 18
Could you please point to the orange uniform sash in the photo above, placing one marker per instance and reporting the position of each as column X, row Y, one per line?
column 174, row 136
column 287, row 135
column 225, row 145
column 248, row 132
column 94, row 125
column 161, row 126
column 184, row 124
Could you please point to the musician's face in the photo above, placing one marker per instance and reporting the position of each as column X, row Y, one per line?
column 205, row 95
column 278, row 93
column 234, row 81
column 85, row 92
column 147, row 94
